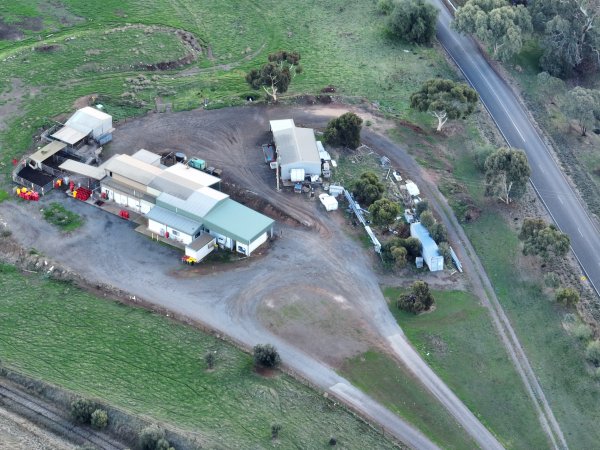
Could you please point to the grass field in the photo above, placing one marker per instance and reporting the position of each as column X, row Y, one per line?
column 64, row 219
column 556, row 357
column 150, row 365
column 382, row 378
column 459, row 341
column 352, row 53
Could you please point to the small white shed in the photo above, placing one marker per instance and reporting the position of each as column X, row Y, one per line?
column 330, row 203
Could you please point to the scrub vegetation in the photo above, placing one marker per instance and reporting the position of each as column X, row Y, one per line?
column 64, row 219
column 149, row 365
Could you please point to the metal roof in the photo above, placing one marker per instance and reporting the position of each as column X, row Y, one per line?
column 90, row 119
column 204, row 239
column 70, row 135
column 147, row 157
column 47, row 151
column 132, row 169
column 237, row 221
column 196, row 206
column 70, row 165
column 412, row 188
column 192, row 175
column 430, row 248
column 284, row 124
column 296, row 145
column 174, row 220
column 126, row 189
column 173, row 185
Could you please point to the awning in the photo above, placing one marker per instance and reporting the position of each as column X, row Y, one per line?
column 70, row 165
column 46, row 152
column 70, row 135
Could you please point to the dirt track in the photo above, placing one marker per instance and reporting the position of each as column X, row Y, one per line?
column 318, row 262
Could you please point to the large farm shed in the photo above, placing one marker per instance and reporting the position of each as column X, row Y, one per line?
column 296, row 148
column 86, row 122
column 430, row 251
column 180, row 204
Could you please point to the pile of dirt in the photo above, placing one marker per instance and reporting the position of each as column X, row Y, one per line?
column 50, row 48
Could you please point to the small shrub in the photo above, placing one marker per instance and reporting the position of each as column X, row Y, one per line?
column 582, row 331
column 210, row 358
column 552, row 280
column 99, row 419
column 82, row 409
column 150, row 436
column 265, row 355
column 332, row 441
column 439, row 233
column 427, row 219
column 385, row 7
column 275, row 429
column 421, row 207
column 418, row 299
column 444, row 249
column 567, row 296
column 592, row 353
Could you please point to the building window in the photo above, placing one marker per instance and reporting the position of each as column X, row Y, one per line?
column 175, row 232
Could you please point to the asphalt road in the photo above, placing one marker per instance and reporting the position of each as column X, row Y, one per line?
column 549, row 182
column 514, row 123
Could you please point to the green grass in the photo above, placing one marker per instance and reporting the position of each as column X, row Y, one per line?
column 64, row 219
column 4, row 195
column 459, row 341
column 149, row 365
column 385, row 380
column 352, row 53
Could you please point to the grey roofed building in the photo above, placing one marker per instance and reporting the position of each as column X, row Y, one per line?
column 174, row 220
column 196, row 206
column 296, row 148
column 132, row 169
column 147, row 157
column 173, row 185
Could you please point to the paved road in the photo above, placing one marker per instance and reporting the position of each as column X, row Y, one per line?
column 547, row 179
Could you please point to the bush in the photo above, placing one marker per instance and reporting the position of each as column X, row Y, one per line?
column 344, row 131
column 582, row 331
column 421, row 207
column 592, row 353
column 150, row 436
column 384, row 212
column 99, row 419
column 427, row 220
column 368, row 189
column 480, row 155
column 413, row 21
column 418, row 299
column 438, row 233
column 210, row 358
column 551, row 280
column 399, row 256
column 82, row 409
column 385, row 7
column 275, row 429
column 444, row 249
column 413, row 247
column 567, row 296
column 265, row 355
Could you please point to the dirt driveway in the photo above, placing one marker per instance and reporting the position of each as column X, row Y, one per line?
column 313, row 275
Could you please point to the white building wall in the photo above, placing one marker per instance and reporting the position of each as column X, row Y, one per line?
column 223, row 240
column 201, row 254
column 162, row 230
column 257, row 242
column 309, row 169
column 146, row 206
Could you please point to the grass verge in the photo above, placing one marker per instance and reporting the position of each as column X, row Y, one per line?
column 459, row 341
column 149, row 365
column 385, row 380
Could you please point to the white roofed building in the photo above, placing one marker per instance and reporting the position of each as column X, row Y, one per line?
column 296, row 148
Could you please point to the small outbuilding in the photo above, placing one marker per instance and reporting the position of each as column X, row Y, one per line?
column 430, row 252
column 296, row 148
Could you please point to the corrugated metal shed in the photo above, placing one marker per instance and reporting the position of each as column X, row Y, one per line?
column 174, row 220
column 70, row 135
column 196, row 206
column 47, row 151
column 70, row 165
column 133, row 169
column 148, row 157
column 91, row 120
column 430, row 251
column 192, row 175
column 204, row 239
column 237, row 221
column 296, row 145
column 284, row 124
column 173, row 185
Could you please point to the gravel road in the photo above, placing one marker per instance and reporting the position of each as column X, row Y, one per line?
column 107, row 250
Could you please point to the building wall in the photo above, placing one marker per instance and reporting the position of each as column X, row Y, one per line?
column 201, row 254
column 162, row 229
column 309, row 169
column 132, row 184
column 223, row 240
column 258, row 242
column 247, row 250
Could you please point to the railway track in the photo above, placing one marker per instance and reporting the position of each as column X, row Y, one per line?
column 41, row 413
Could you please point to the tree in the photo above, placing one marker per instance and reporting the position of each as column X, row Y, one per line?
column 571, row 35
column 418, row 299
column 413, row 247
column 344, row 130
column 421, row 207
column 444, row 99
column 399, row 256
column 427, row 220
column 543, row 240
column 438, row 232
column 368, row 189
column 99, row 419
column 496, row 23
column 275, row 429
column 275, row 76
column 265, row 355
column 384, row 212
column 153, row 438
column 506, row 174
column 82, row 409
column 580, row 106
column 567, row 296
column 413, row 21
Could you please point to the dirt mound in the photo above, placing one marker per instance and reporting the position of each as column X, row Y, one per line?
column 47, row 48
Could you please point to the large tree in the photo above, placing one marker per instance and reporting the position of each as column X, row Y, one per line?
column 580, row 105
column 444, row 99
column 384, row 212
column 344, row 130
column 506, row 174
column 368, row 188
column 413, row 21
column 496, row 23
column 542, row 239
column 275, row 76
column 571, row 34
column 418, row 299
